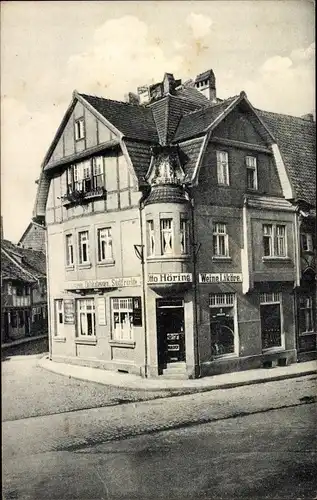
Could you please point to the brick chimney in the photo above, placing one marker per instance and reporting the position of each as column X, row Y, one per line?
column 168, row 83
column 206, row 84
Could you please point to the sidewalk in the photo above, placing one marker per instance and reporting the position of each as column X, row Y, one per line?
column 224, row 381
column 24, row 340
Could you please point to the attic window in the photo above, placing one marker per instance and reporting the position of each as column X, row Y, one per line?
column 79, row 129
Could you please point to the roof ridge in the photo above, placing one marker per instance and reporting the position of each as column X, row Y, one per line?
column 285, row 114
column 211, row 106
column 113, row 100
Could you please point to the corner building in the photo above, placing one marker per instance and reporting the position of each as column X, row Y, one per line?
column 174, row 242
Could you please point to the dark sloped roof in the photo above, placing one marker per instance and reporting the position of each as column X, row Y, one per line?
column 193, row 95
column 135, row 122
column 198, row 122
column 189, row 153
column 168, row 193
column 32, row 261
column 296, row 140
column 11, row 270
column 140, row 155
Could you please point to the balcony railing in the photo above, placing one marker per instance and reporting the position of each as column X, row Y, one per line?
column 80, row 191
column 22, row 301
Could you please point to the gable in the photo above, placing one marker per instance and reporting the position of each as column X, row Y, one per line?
column 93, row 132
column 33, row 237
column 238, row 126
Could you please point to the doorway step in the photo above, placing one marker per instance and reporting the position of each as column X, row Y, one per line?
column 175, row 371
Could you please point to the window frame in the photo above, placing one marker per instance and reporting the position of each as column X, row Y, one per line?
column 82, row 262
column 79, row 126
column 121, row 310
column 85, row 311
column 70, row 262
column 150, row 231
column 169, row 231
column 184, row 235
column 216, row 235
column 274, row 238
column 254, row 169
column 106, row 260
column 309, row 242
column 273, row 298
column 311, row 310
column 59, row 317
column 223, row 178
column 226, row 300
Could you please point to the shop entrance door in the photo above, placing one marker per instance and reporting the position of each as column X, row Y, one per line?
column 170, row 331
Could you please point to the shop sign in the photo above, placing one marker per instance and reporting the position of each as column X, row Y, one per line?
column 170, row 278
column 69, row 311
column 137, row 311
column 105, row 283
column 220, row 278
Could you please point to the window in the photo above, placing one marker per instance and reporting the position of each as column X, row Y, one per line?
column 79, row 129
column 86, row 176
column 83, row 247
column 69, row 250
column 252, row 177
column 222, row 324
column 122, row 318
column 220, row 240
column 21, row 319
column 274, row 240
column 223, row 168
column 307, row 242
column 59, row 315
column 306, row 314
column 166, row 226
column 98, row 172
column 184, row 235
column 86, row 317
column 105, row 252
column 150, row 237
column 270, row 312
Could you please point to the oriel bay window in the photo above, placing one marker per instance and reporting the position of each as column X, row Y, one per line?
column 220, row 240
column 150, row 237
column 271, row 320
column 105, row 249
column 122, row 318
column 86, row 318
column 83, row 241
column 274, row 240
column 167, row 243
column 222, row 323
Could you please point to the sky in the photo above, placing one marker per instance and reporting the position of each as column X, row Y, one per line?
column 108, row 48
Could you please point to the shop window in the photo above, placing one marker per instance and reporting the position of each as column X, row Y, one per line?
column 252, row 177
column 220, row 240
column 86, row 326
column 167, row 244
column 307, row 242
column 150, row 237
column 274, row 240
column 184, row 235
column 271, row 320
column 79, row 129
column 105, row 248
column 222, row 323
column 222, row 168
column 69, row 250
column 83, row 238
column 306, row 315
column 59, row 315
column 122, row 318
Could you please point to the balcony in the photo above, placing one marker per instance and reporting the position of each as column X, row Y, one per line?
column 85, row 190
column 23, row 301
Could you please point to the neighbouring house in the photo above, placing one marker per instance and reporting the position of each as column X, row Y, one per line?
column 33, row 237
column 180, row 233
column 23, row 292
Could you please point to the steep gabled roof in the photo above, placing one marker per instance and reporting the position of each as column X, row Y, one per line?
column 296, row 140
column 10, row 270
column 32, row 263
column 133, row 121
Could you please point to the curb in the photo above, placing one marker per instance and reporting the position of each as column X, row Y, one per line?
column 22, row 341
column 185, row 389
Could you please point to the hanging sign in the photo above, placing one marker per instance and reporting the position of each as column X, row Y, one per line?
column 137, row 311
column 101, row 308
column 169, row 278
column 220, row 278
column 69, row 311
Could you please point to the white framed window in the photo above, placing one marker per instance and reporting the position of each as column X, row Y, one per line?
column 252, row 174
column 79, row 129
column 83, row 242
column 98, row 172
column 150, row 237
column 223, row 324
column 184, row 235
column 167, row 243
column 271, row 320
column 122, row 318
column 306, row 314
column 222, row 168
column 274, row 240
column 69, row 250
column 307, row 242
column 59, row 316
column 220, row 240
column 86, row 318
column 105, row 247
